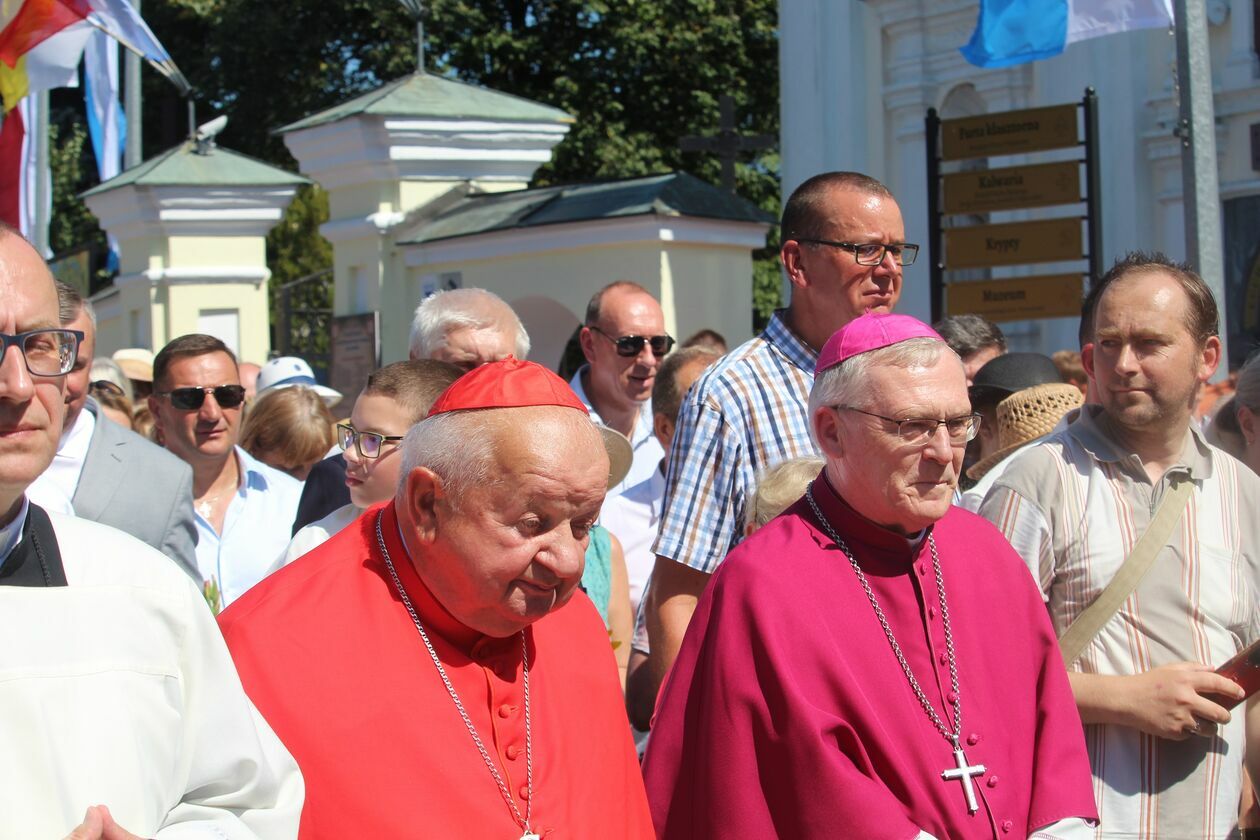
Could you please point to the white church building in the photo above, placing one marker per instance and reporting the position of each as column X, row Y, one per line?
column 858, row 77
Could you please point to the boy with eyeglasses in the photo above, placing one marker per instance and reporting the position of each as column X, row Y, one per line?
column 395, row 398
column 238, row 501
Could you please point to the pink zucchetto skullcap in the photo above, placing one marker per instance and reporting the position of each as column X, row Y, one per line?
column 508, row 383
column 871, row 331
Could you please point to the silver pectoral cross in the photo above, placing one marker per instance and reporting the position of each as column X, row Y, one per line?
column 963, row 773
column 529, row 835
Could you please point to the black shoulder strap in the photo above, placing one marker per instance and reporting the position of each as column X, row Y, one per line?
column 36, row 560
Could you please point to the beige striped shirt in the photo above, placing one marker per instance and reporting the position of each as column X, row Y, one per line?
column 1073, row 508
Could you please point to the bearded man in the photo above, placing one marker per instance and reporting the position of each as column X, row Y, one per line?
column 433, row 667
column 873, row 663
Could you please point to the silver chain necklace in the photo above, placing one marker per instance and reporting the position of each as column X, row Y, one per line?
column 459, row 706
column 963, row 772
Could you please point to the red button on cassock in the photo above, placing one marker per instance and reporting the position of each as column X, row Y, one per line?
column 512, row 752
column 505, row 710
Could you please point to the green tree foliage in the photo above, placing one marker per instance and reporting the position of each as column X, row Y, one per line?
column 72, row 224
column 637, row 75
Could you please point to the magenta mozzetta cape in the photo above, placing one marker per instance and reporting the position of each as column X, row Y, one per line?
column 788, row 715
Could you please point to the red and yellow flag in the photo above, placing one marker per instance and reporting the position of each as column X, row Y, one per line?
column 35, row 21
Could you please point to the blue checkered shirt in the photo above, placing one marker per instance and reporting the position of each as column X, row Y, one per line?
column 744, row 415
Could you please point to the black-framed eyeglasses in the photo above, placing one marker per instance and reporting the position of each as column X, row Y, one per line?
column 918, row 430
column 104, row 386
column 367, row 444
column 47, row 352
column 192, row 398
column 872, row 253
column 632, row 345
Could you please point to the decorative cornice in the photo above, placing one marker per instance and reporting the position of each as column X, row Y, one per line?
column 233, row 275
column 372, row 148
column 134, row 211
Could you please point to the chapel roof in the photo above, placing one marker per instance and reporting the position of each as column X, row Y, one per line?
column 426, row 95
column 668, row 194
column 208, row 165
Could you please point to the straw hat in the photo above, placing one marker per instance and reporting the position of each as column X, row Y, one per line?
column 1025, row 416
column 136, row 362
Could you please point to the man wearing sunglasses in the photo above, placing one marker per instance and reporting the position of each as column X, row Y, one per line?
column 624, row 341
column 117, row 686
column 109, row 474
column 243, row 507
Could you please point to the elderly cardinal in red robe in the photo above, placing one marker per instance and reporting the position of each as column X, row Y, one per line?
column 434, row 668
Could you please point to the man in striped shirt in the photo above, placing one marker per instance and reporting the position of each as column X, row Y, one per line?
column 843, row 250
column 1167, row 759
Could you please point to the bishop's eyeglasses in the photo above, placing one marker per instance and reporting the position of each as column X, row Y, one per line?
column 872, row 253
column 48, row 352
column 919, row 430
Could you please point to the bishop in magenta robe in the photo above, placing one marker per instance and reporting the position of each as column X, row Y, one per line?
column 787, row 713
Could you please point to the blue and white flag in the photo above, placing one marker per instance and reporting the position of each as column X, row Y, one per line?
column 106, row 123
column 1018, row 31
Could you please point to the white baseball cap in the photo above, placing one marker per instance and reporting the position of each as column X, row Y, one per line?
column 291, row 372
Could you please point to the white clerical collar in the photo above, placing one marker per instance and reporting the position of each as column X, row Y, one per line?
column 11, row 534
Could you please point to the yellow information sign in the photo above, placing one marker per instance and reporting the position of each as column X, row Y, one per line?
column 1016, row 243
column 1013, row 188
column 1009, row 133
column 1025, row 298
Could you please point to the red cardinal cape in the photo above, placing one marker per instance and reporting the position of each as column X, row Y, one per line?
column 331, row 658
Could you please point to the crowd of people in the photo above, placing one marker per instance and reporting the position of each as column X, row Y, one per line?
column 859, row 576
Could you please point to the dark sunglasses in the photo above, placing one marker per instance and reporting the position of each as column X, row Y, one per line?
column 104, row 386
column 632, row 345
column 191, row 399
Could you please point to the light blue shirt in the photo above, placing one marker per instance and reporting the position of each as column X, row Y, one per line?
column 11, row 534
column 647, row 449
column 256, row 529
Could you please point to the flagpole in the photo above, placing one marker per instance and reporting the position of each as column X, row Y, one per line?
column 41, row 190
column 133, row 154
column 1200, row 189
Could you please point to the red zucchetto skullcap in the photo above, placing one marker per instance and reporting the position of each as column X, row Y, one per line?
column 872, row 331
column 508, row 383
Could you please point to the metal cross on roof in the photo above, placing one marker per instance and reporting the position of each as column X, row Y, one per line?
column 727, row 143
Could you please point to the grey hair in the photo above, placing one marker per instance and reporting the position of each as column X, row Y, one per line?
column 70, row 303
column 969, row 334
column 457, row 445
column 478, row 309
column 844, row 383
column 1248, row 389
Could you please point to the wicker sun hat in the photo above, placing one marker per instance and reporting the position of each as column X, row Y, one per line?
column 1025, row 416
